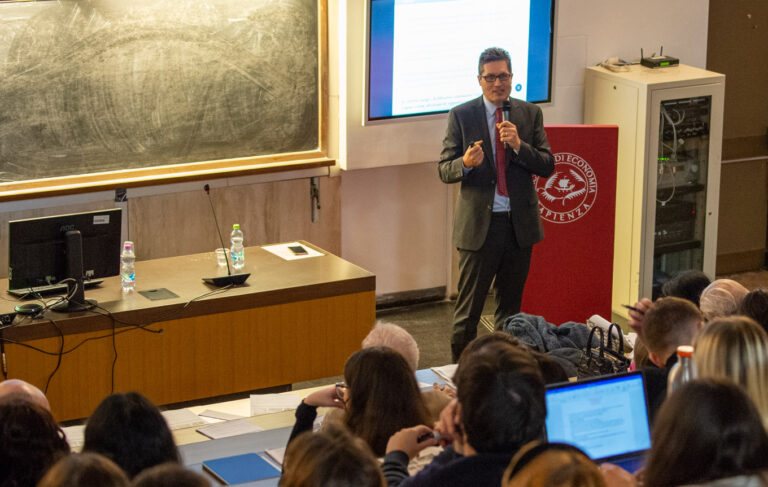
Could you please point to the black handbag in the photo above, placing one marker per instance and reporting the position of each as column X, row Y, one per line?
column 604, row 359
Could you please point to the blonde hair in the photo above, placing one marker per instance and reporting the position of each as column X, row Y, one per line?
column 736, row 348
column 721, row 298
column 552, row 465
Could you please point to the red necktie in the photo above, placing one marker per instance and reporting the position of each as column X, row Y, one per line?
column 501, row 160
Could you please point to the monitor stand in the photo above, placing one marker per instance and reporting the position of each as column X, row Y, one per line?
column 75, row 300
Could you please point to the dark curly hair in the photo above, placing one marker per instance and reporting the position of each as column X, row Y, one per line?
column 30, row 442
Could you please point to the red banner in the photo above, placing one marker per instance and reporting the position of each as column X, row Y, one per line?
column 572, row 268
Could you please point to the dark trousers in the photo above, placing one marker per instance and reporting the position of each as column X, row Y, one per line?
column 499, row 257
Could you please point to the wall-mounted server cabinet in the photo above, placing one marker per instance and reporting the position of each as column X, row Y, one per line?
column 668, row 176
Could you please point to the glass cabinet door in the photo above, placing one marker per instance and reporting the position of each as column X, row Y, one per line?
column 681, row 187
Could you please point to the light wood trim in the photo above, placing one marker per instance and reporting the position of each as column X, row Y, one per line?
column 39, row 188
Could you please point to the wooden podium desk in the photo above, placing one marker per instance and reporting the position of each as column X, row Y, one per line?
column 291, row 321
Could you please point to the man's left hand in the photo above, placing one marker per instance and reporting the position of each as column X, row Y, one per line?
column 508, row 133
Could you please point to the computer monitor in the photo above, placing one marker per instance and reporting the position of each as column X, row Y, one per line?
column 45, row 251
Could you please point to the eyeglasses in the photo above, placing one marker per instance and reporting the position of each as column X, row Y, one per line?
column 491, row 78
column 340, row 388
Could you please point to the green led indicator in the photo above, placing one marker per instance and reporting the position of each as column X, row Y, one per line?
column 663, row 158
column 665, row 63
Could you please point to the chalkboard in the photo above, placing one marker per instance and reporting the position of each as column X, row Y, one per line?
column 93, row 86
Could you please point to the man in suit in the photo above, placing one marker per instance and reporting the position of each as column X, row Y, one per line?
column 496, row 220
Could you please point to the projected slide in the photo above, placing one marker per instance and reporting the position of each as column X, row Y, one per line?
column 424, row 53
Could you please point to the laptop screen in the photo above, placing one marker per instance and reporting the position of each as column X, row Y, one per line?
column 605, row 417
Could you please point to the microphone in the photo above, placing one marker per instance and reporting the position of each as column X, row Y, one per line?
column 230, row 279
column 506, row 109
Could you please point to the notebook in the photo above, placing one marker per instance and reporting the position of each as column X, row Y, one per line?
column 240, row 468
column 606, row 416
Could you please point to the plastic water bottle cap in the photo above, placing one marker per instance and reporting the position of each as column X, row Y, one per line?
column 685, row 351
column 236, row 226
column 128, row 245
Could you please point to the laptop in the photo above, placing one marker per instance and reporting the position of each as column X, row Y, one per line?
column 605, row 416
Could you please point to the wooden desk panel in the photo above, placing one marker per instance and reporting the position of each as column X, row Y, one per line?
column 204, row 351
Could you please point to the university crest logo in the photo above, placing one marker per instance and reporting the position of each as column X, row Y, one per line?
column 570, row 192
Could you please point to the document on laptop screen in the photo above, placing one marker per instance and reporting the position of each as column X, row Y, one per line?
column 604, row 418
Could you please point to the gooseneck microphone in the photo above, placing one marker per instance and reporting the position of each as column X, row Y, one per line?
column 230, row 279
column 506, row 110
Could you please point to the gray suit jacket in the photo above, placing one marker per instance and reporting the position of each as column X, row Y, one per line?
column 467, row 124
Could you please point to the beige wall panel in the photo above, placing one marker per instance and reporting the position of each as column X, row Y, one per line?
column 181, row 223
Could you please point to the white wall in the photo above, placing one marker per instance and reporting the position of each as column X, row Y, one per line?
column 409, row 257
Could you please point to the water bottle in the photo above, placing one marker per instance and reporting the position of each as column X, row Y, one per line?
column 237, row 251
column 682, row 371
column 127, row 271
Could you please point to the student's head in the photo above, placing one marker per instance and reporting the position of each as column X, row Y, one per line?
column 670, row 323
column 330, row 457
column 85, row 469
column 501, row 396
column 129, row 430
column 687, row 285
column 396, row 338
column 721, row 298
column 755, row 305
column 170, row 475
column 14, row 389
column 706, row 430
column 552, row 465
column 481, row 341
column 383, row 396
column 736, row 348
column 30, row 442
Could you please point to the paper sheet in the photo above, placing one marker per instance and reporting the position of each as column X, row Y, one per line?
column 282, row 251
column 75, row 435
column 446, row 373
column 229, row 428
column 273, row 403
column 182, row 418
column 210, row 413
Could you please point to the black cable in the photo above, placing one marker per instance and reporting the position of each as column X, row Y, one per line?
column 113, row 334
column 114, row 360
column 60, row 354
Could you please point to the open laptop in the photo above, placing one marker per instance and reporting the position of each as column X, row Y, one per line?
column 606, row 416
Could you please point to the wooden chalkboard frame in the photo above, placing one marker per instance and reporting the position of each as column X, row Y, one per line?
column 196, row 170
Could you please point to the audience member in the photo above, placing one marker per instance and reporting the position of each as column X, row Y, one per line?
column 736, row 348
column 755, row 305
column 402, row 342
column 380, row 396
column 552, row 465
column 481, row 341
column 671, row 322
column 687, row 285
column 30, row 442
column 13, row 389
column 170, row 475
column 84, row 470
column 331, row 457
column 129, row 430
column 708, row 430
column 499, row 408
column 722, row 298
column 396, row 338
